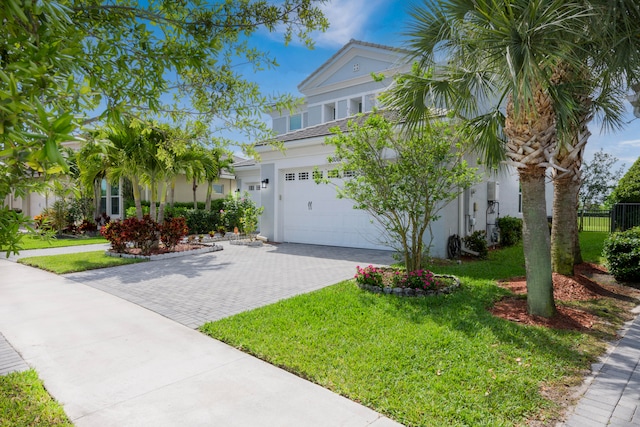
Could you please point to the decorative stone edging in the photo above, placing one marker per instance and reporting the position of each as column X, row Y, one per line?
column 168, row 255
column 410, row 292
column 244, row 242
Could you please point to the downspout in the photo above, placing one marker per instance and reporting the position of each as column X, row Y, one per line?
column 461, row 215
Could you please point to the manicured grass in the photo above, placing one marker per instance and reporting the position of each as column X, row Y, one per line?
column 591, row 243
column 36, row 242
column 422, row 361
column 71, row 263
column 25, row 402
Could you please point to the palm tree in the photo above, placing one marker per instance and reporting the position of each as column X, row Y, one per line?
column 212, row 174
column 113, row 153
column 500, row 53
column 609, row 48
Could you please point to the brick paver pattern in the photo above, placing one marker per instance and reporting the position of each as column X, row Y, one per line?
column 195, row 289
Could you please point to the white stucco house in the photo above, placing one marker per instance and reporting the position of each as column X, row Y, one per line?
column 298, row 210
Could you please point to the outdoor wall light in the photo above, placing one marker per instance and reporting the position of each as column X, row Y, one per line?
column 265, row 182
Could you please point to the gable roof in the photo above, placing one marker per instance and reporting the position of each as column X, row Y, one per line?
column 352, row 44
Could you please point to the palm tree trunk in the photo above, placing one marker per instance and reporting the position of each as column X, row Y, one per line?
column 136, row 196
column 536, row 242
column 195, row 200
column 565, row 245
column 163, row 201
column 208, row 199
column 96, row 197
column 173, row 191
column 154, row 198
column 564, row 230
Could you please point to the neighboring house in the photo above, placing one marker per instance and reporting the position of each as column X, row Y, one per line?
column 111, row 200
column 299, row 210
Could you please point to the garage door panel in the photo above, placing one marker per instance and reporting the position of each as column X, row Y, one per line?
column 313, row 214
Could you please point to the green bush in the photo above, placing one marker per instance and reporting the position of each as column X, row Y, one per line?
column 130, row 212
column 235, row 209
column 477, row 241
column 622, row 252
column 510, row 230
column 628, row 189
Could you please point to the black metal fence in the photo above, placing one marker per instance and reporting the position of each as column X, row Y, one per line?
column 625, row 216
column 594, row 219
column 621, row 217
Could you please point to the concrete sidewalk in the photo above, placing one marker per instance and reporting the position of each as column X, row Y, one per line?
column 114, row 363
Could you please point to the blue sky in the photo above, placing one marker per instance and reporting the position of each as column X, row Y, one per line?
column 383, row 21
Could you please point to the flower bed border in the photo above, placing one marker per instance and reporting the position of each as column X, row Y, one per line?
column 410, row 292
column 157, row 257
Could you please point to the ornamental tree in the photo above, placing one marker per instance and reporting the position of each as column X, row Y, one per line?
column 403, row 182
column 599, row 178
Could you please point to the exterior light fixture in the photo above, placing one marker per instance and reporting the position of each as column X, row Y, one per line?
column 265, row 182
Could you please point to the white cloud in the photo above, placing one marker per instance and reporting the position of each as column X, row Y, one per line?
column 348, row 19
column 630, row 143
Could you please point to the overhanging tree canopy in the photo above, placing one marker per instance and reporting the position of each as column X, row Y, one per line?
column 72, row 62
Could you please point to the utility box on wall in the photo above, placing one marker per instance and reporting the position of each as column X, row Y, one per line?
column 493, row 188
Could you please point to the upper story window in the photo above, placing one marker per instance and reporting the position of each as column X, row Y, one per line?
column 329, row 112
column 295, row 122
column 355, row 106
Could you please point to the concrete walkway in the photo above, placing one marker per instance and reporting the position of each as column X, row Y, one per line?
column 114, row 363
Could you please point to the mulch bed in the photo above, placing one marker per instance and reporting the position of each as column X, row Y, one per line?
column 590, row 281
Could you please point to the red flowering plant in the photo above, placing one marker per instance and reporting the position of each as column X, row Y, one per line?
column 418, row 279
column 370, row 275
column 395, row 278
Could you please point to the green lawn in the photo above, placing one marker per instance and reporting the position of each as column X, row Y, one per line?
column 24, row 402
column 71, row 263
column 423, row 362
column 36, row 242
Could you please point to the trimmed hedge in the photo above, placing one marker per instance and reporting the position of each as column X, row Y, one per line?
column 510, row 230
column 622, row 252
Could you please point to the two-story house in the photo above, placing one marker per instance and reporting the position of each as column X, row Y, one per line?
column 300, row 211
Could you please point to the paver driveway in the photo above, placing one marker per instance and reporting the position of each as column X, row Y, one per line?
column 195, row 289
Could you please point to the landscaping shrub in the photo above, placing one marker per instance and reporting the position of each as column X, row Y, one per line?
column 142, row 233
column 622, row 252
column 235, row 209
column 130, row 212
column 510, row 230
column 173, row 230
column 477, row 241
column 201, row 222
column 419, row 279
column 114, row 232
column 87, row 226
column 370, row 275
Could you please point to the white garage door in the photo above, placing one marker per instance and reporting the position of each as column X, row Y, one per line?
column 313, row 214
